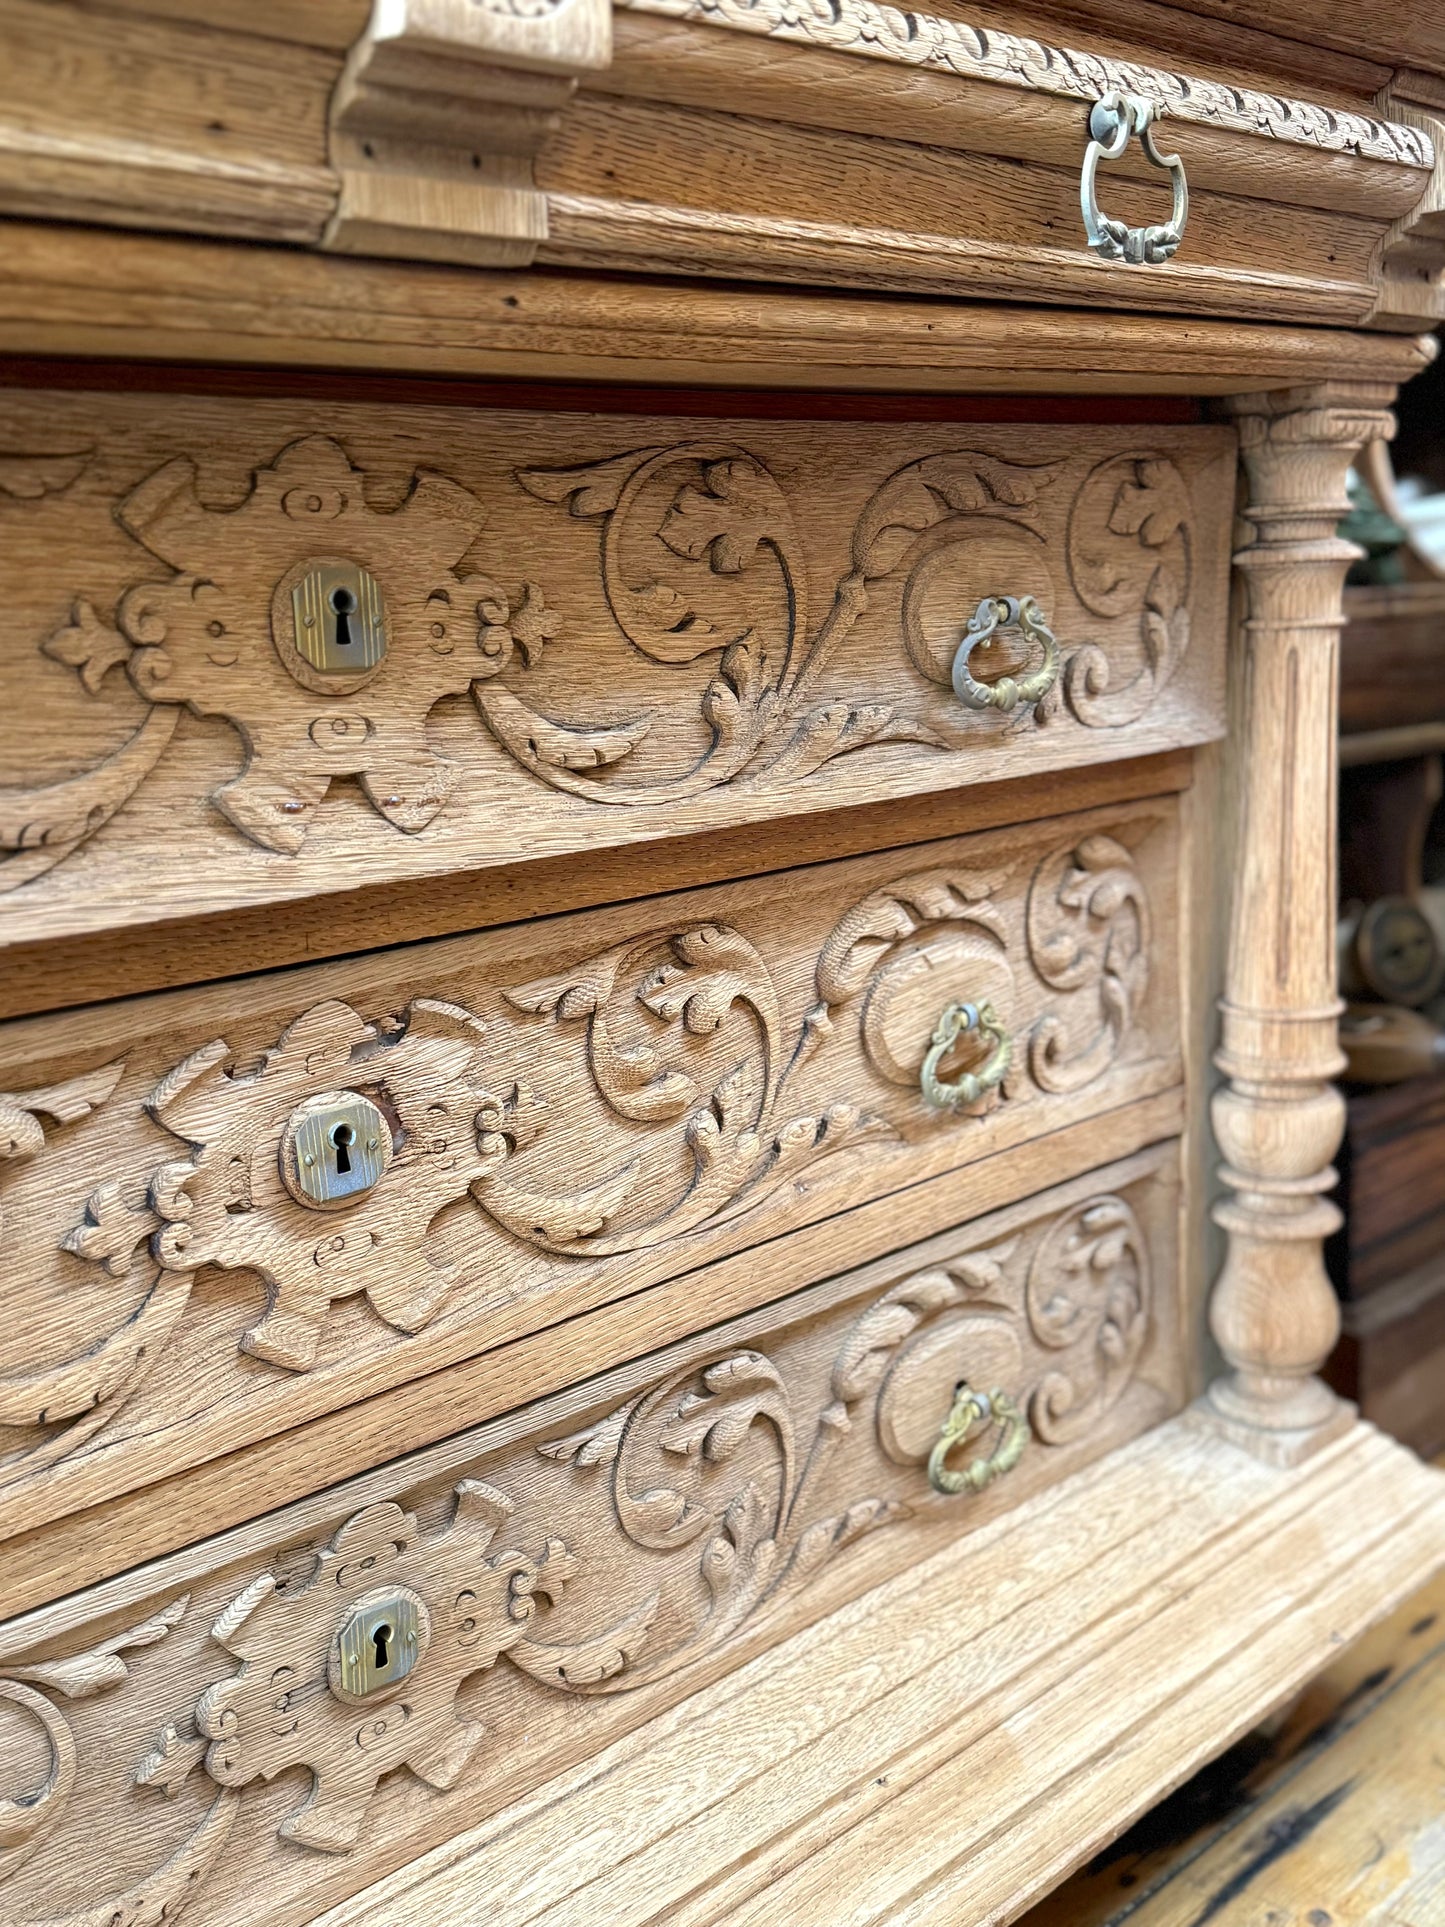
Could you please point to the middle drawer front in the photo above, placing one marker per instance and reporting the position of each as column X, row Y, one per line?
column 238, row 1207
column 573, row 1568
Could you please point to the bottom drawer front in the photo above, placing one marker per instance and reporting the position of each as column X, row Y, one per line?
column 231, row 1722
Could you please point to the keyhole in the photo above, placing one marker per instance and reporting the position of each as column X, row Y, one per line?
column 381, row 1640
column 342, row 1138
column 343, row 604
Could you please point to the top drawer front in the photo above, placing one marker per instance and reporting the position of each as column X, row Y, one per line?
column 578, row 632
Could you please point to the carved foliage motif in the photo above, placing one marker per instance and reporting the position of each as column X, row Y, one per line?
column 700, row 559
column 684, row 1054
column 726, row 1468
column 27, row 1820
column 882, row 32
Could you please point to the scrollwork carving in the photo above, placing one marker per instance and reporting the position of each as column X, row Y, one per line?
column 1088, row 924
column 1130, row 546
column 84, row 1392
column 604, row 1560
column 1089, row 1290
column 702, row 568
column 25, row 1822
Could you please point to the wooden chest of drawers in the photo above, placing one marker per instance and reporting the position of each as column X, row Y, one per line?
column 608, row 1000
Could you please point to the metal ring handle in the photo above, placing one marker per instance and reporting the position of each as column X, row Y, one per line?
column 955, row 1022
column 997, row 612
column 1112, row 121
column 971, row 1408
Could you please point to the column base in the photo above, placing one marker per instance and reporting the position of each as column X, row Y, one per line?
column 1283, row 1432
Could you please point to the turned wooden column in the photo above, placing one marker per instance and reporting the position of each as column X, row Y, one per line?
column 1278, row 1119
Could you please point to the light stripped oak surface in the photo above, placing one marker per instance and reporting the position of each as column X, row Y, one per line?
column 67, row 1551
column 948, row 1747
column 581, row 1564
column 116, row 115
column 600, row 631
column 70, row 291
column 1327, row 1816
column 577, row 1109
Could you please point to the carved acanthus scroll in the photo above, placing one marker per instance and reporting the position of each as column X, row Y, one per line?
column 701, row 563
column 662, row 1088
column 719, row 1468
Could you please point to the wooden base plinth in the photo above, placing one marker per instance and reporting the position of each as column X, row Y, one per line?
column 952, row 1744
column 1327, row 1417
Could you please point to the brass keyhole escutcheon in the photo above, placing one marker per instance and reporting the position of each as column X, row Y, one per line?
column 334, row 1149
column 378, row 1644
column 329, row 621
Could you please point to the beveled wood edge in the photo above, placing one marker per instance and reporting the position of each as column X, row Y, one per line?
column 1292, row 1563
column 64, row 973
column 413, row 1429
column 71, row 290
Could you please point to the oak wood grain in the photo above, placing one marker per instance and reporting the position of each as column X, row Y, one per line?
column 69, row 1551
column 72, row 290
column 576, row 1108
column 602, row 632
column 795, row 1437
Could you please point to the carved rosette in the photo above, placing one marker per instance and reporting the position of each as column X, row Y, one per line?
column 283, row 1708
column 229, row 1204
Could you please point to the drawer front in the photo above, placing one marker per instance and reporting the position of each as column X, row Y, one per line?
column 558, row 633
column 562, row 1574
column 230, row 1209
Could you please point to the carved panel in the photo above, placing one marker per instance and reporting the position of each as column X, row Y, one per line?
column 563, row 1112
column 577, row 1569
column 595, row 631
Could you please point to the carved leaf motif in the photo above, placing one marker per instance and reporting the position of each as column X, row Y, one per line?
column 82, row 1675
column 1089, row 1295
column 728, row 519
column 21, row 1133
column 589, row 1662
column 925, row 494
column 712, row 1425
column 596, row 1445
column 42, row 826
column 1088, row 923
column 88, row 644
column 542, row 745
column 171, row 1761
column 28, row 477
column 1130, row 542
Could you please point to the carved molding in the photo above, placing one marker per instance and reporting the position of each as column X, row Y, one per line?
column 438, row 116
column 880, row 32
column 700, row 563
column 668, row 1085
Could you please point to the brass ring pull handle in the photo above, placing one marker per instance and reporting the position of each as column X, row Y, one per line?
column 1113, row 120
column 991, row 615
column 956, row 1021
column 972, row 1408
